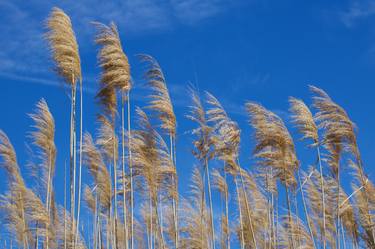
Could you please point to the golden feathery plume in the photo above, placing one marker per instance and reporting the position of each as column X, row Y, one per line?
column 304, row 120
column 364, row 196
column 89, row 198
column 195, row 227
column 107, row 139
column 112, row 59
column 44, row 138
column 69, row 240
column 313, row 190
column 160, row 101
column 335, row 122
column 227, row 133
column 12, row 205
column 297, row 228
column 37, row 213
column 274, row 145
column 95, row 164
column 258, row 201
column 150, row 155
column 347, row 216
column 204, row 142
column 63, row 46
column 305, row 123
column 339, row 135
column 218, row 182
column 9, row 159
column 153, row 166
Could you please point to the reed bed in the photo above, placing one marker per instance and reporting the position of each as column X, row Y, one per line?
column 132, row 197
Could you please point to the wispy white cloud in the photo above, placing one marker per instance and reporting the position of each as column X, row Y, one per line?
column 40, row 81
column 24, row 51
column 193, row 11
column 356, row 11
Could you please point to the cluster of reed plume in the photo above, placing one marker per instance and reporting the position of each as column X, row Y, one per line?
column 133, row 199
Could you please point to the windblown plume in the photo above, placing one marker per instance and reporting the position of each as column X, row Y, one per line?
column 37, row 213
column 227, row 133
column 364, row 195
column 255, row 211
column 160, row 102
column 313, row 190
column 44, row 138
column 150, row 156
column 274, row 145
column 115, row 67
column 259, row 205
column 108, row 100
column 195, row 226
column 9, row 159
column 112, row 58
column 69, row 240
column 304, row 120
column 295, row 228
column 63, row 45
column 219, row 182
column 95, row 164
column 347, row 216
column 339, row 130
column 107, row 139
column 89, row 198
column 15, row 220
column 204, row 142
column 153, row 168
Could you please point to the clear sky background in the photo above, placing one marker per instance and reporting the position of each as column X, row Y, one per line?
column 258, row 50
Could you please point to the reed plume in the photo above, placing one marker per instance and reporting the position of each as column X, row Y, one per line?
column 95, row 164
column 9, row 159
column 295, row 228
column 160, row 101
column 195, row 227
column 115, row 77
column 305, row 123
column 152, row 163
column 112, row 59
column 161, row 105
column 43, row 137
column 363, row 194
column 203, row 147
column 64, row 49
column 63, row 46
column 226, row 147
column 274, row 148
column 13, row 204
column 339, row 135
column 274, row 145
column 248, row 214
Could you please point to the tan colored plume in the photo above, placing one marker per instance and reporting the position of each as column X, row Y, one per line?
column 63, row 45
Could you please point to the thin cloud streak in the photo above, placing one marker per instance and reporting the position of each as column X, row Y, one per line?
column 358, row 10
column 25, row 25
column 40, row 81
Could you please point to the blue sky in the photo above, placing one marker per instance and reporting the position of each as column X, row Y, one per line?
column 238, row 50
